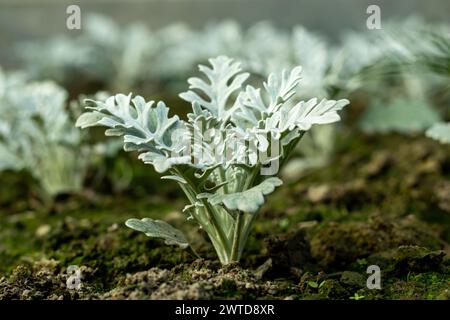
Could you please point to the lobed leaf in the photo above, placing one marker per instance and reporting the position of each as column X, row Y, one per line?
column 225, row 78
column 159, row 229
column 246, row 201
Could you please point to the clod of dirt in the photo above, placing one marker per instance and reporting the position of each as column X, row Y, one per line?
column 406, row 259
column 337, row 245
column 287, row 252
column 43, row 279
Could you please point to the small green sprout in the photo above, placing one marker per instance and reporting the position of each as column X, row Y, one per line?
column 357, row 296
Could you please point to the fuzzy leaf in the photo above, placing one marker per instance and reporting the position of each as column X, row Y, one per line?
column 143, row 126
column 246, row 201
column 251, row 107
column 282, row 87
column 306, row 114
column 88, row 119
column 159, row 229
column 225, row 78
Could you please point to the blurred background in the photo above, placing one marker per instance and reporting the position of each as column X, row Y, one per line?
column 29, row 19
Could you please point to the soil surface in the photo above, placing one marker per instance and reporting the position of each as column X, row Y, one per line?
column 381, row 201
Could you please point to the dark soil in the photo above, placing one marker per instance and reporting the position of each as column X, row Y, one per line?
column 382, row 201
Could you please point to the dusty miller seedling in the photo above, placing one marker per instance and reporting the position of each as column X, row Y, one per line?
column 37, row 135
column 222, row 156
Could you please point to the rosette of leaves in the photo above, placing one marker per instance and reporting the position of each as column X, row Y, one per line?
column 37, row 135
column 219, row 156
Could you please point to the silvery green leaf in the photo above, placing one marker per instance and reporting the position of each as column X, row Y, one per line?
column 107, row 148
column 47, row 102
column 159, row 229
column 302, row 116
column 88, row 119
column 314, row 152
column 440, row 132
column 143, row 127
column 225, row 78
column 281, row 87
column 401, row 115
column 251, row 107
column 161, row 162
column 306, row 114
column 246, row 201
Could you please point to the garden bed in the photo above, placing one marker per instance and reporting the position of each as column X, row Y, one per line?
column 382, row 201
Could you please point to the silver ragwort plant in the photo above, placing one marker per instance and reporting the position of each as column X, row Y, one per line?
column 227, row 153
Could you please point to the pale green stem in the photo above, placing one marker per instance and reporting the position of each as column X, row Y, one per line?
column 235, row 250
column 216, row 233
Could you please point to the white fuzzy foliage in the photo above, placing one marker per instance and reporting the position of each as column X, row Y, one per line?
column 205, row 155
column 37, row 135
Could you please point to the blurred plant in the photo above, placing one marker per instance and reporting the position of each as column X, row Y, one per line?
column 121, row 54
column 103, row 52
column 124, row 58
column 218, row 156
column 429, row 61
column 61, row 59
column 392, row 61
column 434, row 55
column 439, row 131
column 36, row 135
column 402, row 116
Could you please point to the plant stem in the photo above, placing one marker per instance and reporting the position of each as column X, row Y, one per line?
column 223, row 178
column 235, row 249
column 214, row 229
column 213, row 219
